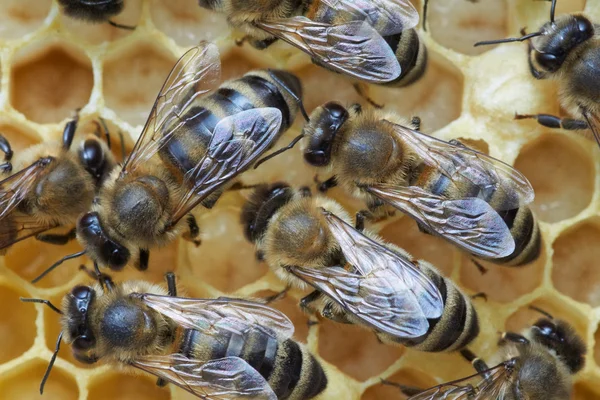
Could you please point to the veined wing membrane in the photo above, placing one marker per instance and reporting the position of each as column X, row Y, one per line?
column 14, row 188
column 18, row 226
column 464, row 165
column 237, row 142
column 221, row 379
column 593, row 122
column 197, row 72
column 214, row 315
column 388, row 17
column 474, row 387
column 354, row 48
column 387, row 292
column 469, row 223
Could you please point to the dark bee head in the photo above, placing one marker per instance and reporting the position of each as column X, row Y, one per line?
column 240, row 5
column 560, row 337
column 91, row 10
column 128, row 323
column 322, row 128
column 559, row 39
column 99, row 245
column 77, row 306
column 263, row 203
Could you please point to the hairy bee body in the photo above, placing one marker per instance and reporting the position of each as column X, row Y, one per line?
column 409, row 50
column 90, row 11
column 124, row 329
column 290, row 230
column 365, row 150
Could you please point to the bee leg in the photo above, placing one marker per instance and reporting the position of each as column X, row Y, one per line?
column 171, row 284
column 551, row 121
column 360, row 218
column 482, row 270
column 8, row 153
column 57, row 238
column 416, row 123
column 260, row 44
column 362, row 90
column 480, row 295
column 425, row 7
column 405, row 389
column 276, row 296
column 105, row 280
column 423, row 229
column 69, row 131
column 325, row 185
column 480, row 366
column 142, row 264
column 305, row 305
column 194, row 231
column 240, row 186
column 330, row 313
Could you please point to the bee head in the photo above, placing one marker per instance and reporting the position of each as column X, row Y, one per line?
column 322, row 128
column 560, row 337
column 92, row 10
column 263, row 203
column 99, row 245
column 83, row 341
column 560, row 38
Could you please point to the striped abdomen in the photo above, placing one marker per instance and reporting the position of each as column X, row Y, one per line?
column 291, row 371
column 256, row 89
column 520, row 221
column 457, row 326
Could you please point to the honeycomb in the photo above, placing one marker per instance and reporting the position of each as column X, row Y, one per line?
column 51, row 64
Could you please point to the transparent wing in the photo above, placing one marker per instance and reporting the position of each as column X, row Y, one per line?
column 388, row 17
column 475, row 387
column 354, row 48
column 470, row 223
column 464, row 165
column 222, row 379
column 17, row 227
column 236, row 143
column 215, row 315
column 14, row 188
column 387, row 292
column 197, row 72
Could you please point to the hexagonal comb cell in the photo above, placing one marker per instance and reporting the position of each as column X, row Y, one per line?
column 103, row 31
column 132, row 79
column 561, row 173
column 23, row 382
column 235, row 264
column 354, row 350
column 18, row 17
column 585, row 391
column 575, row 262
column 17, row 324
column 49, row 81
column 19, row 138
column 125, row 387
column 290, row 307
column 458, row 24
column 406, row 376
column 185, row 22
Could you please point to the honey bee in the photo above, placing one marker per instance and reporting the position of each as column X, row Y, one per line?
column 220, row 348
column 94, row 11
column 188, row 153
column 37, row 193
column 565, row 49
column 472, row 200
column 538, row 365
column 358, row 279
column 370, row 40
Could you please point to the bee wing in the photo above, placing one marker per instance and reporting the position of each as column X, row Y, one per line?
column 461, row 164
column 215, row 315
column 19, row 226
column 354, row 48
column 474, row 387
column 388, row 17
column 388, row 292
column 237, row 141
column 593, row 121
column 469, row 223
column 221, row 379
column 14, row 188
column 195, row 73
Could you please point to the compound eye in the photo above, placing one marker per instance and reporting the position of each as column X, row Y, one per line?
column 81, row 292
column 548, row 329
column 316, row 158
column 88, row 220
column 118, row 259
column 585, row 26
column 92, row 154
column 83, row 343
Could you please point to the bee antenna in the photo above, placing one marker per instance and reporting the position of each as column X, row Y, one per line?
column 297, row 99
column 281, row 150
column 552, row 10
column 116, row 25
column 425, row 7
column 508, row 40
column 543, row 312
column 46, row 302
column 51, row 364
column 56, row 264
